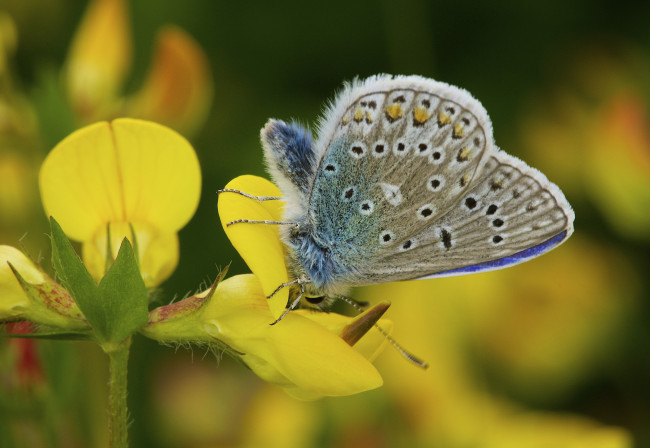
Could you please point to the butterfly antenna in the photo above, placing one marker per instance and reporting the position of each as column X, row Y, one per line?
column 405, row 353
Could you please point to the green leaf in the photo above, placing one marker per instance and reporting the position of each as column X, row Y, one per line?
column 77, row 280
column 124, row 296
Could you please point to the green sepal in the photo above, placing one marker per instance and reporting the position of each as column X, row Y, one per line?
column 123, row 295
column 77, row 280
column 52, row 305
column 115, row 308
column 179, row 322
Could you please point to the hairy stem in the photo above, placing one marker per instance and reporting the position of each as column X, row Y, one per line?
column 118, row 356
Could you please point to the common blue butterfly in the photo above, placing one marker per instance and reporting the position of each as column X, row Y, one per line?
column 405, row 182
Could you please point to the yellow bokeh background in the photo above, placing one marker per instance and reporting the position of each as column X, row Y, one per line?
column 553, row 352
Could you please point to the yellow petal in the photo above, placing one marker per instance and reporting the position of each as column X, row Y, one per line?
column 370, row 345
column 178, row 89
column 125, row 171
column 13, row 299
column 296, row 353
column 99, row 56
column 157, row 252
column 319, row 361
column 258, row 244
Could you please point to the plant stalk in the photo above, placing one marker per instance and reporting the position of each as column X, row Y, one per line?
column 118, row 356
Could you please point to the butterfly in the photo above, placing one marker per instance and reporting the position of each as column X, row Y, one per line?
column 405, row 182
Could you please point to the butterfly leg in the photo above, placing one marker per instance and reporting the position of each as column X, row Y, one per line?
column 298, row 281
column 257, row 198
column 250, row 196
column 295, row 303
column 250, row 221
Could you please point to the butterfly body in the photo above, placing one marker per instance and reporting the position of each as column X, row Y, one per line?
column 405, row 182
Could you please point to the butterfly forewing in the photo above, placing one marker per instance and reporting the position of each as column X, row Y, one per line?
column 409, row 185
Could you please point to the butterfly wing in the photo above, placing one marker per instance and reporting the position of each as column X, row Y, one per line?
column 410, row 185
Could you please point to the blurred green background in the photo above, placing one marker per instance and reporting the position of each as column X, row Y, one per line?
column 555, row 352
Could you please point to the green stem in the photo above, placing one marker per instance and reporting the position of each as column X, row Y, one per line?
column 118, row 356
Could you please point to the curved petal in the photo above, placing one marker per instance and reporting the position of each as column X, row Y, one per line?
column 319, row 361
column 258, row 244
column 178, row 88
column 296, row 352
column 125, row 171
column 157, row 252
column 79, row 183
column 370, row 345
column 13, row 299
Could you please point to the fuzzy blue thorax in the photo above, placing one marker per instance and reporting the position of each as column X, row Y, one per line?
column 291, row 160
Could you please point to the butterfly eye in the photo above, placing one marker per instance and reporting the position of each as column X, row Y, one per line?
column 315, row 300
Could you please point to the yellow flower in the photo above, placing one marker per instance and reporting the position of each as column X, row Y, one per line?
column 124, row 177
column 307, row 353
column 298, row 353
column 177, row 91
column 304, row 353
column 47, row 303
